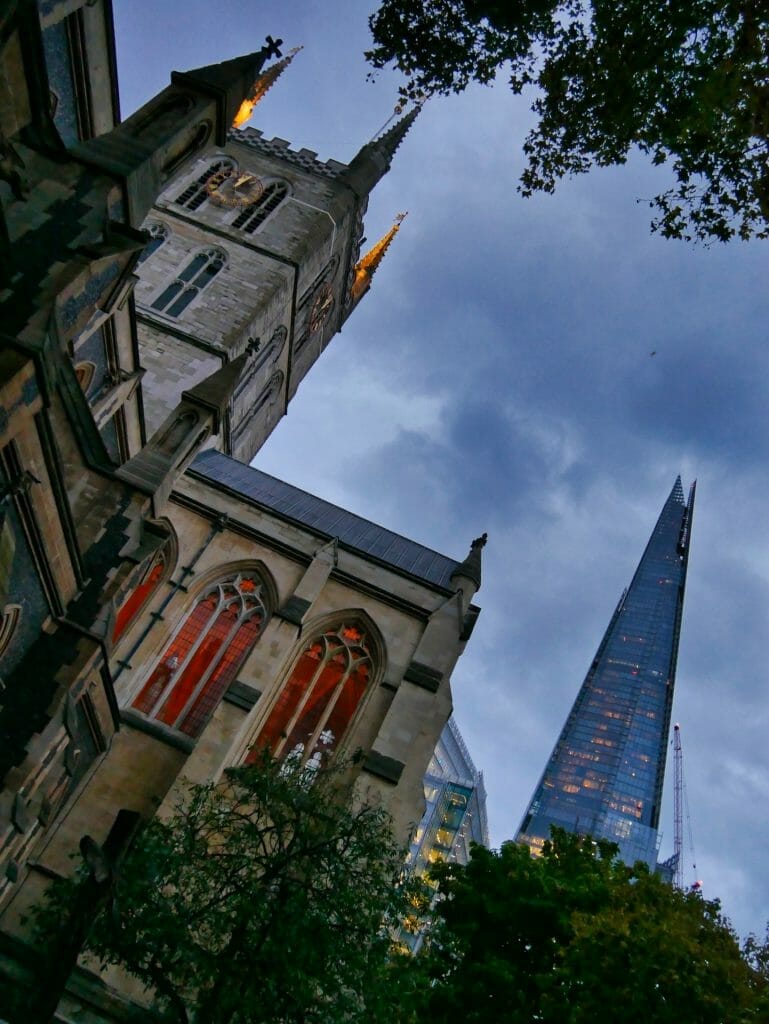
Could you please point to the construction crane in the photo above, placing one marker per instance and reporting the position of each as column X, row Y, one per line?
column 681, row 807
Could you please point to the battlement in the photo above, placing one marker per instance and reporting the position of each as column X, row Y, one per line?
column 306, row 159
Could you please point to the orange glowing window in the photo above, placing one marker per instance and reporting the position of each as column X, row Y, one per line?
column 138, row 597
column 204, row 657
column 317, row 703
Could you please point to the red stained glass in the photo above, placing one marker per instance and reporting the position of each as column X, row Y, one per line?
column 204, row 657
column 137, row 598
column 345, row 707
column 224, row 674
column 198, row 665
column 174, row 655
column 274, row 729
column 315, row 706
column 321, row 699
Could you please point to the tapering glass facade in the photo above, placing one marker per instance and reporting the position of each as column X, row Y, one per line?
column 604, row 777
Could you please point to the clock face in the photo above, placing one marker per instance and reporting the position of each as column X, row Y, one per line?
column 321, row 307
column 228, row 189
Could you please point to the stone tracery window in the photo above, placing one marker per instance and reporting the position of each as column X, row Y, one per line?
column 139, row 596
column 255, row 214
column 158, row 234
column 196, row 275
column 196, row 193
column 203, row 659
column 319, row 699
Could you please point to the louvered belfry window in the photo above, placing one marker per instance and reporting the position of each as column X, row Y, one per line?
column 196, row 193
column 257, row 213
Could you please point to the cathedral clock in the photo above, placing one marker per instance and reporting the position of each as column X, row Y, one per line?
column 227, row 190
column 321, row 307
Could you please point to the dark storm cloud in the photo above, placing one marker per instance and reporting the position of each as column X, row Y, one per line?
column 498, row 376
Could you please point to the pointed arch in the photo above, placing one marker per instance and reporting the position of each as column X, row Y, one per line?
column 204, row 656
column 197, row 273
column 147, row 578
column 196, row 193
column 158, row 234
column 257, row 213
column 315, row 707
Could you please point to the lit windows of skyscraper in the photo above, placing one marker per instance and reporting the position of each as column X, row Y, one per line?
column 605, row 774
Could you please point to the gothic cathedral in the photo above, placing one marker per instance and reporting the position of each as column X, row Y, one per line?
column 166, row 609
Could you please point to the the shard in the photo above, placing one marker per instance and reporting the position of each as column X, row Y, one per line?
column 604, row 777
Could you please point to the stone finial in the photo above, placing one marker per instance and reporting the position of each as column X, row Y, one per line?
column 471, row 567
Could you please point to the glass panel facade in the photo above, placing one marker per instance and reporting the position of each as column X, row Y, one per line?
column 605, row 774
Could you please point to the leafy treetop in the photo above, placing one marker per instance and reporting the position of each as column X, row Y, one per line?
column 574, row 937
column 685, row 82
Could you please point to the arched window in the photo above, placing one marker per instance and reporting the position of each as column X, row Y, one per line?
column 271, row 390
column 139, row 596
column 198, row 191
column 191, row 280
column 158, row 234
column 204, row 657
column 319, row 699
column 9, row 620
column 257, row 213
column 85, row 373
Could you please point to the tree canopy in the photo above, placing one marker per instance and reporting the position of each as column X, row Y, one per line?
column 575, row 937
column 685, row 83
column 265, row 899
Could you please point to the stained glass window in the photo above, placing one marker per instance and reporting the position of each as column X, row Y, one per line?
column 319, row 699
column 204, row 657
column 139, row 596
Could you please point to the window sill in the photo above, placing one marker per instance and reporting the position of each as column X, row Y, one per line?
column 161, row 732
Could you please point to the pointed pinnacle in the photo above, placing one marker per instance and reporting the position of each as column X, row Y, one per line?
column 471, row 567
column 368, row 264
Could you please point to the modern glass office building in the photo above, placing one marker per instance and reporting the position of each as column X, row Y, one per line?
column 604, row 777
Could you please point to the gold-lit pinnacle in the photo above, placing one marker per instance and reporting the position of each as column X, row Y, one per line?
column 261, row 85
column 366, row 267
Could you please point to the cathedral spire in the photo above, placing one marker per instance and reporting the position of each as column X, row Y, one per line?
column 229, row 82
column 263, row 83
column 368, row 264
column 373, row 161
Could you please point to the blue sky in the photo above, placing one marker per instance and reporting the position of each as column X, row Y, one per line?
column 498, row 377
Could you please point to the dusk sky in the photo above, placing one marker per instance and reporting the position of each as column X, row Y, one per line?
column 499, row 377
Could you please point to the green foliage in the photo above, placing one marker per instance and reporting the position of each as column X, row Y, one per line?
column 686, row 83
column 576, row 937
column 262, row 899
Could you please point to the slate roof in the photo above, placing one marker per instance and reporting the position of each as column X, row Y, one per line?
column 324, row 518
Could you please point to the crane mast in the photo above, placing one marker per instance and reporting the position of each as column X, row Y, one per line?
column 678, row 816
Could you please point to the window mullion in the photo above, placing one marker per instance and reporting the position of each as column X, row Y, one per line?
column 226, row 641
column 330, row 705
column 301, row 703
column 188, row 657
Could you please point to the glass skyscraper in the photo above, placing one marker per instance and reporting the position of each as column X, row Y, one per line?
column 604, row 777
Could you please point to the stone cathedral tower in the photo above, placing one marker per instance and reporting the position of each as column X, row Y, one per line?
column 254, row 250
column 166, row 610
